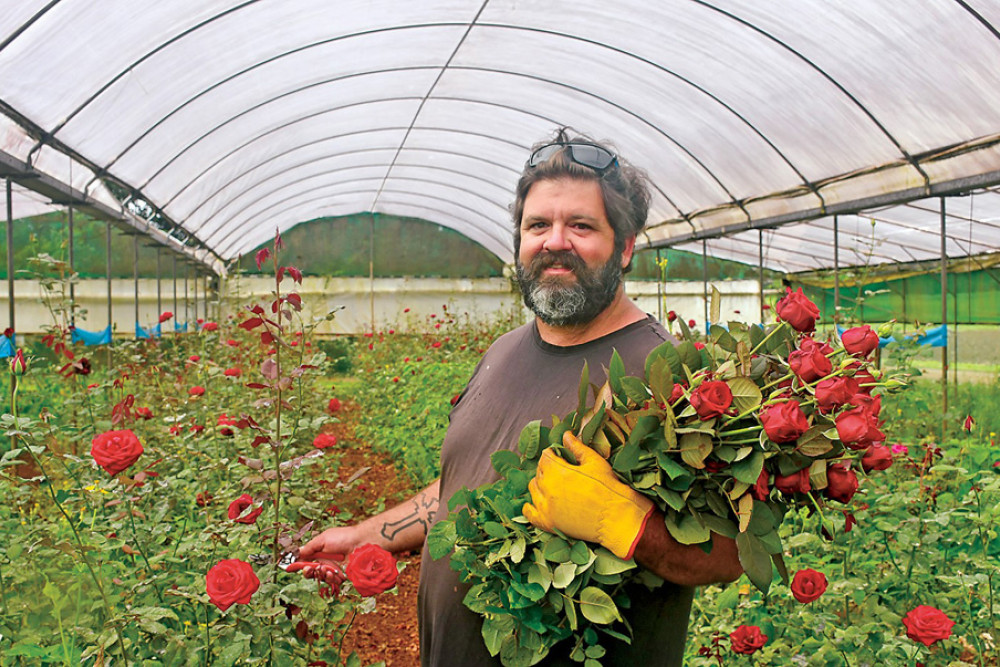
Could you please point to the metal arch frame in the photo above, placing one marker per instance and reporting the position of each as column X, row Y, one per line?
column 235, row 228
column 780, row 242
column 27, row 24
column 255, row 184
column 484, row 230
column 669, row 138
column 448, row 217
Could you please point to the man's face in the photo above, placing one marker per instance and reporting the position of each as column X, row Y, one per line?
column 566, row 265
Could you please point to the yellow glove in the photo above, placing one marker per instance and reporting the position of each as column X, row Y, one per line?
column 586, row 501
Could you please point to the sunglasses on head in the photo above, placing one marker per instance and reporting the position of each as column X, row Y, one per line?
column 589, row 155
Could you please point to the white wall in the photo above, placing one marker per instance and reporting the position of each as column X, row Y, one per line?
column 356, row 301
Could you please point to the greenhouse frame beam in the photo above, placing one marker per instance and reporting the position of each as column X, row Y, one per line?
column 954, row 187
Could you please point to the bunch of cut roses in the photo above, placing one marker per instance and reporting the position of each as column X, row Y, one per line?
column 725, row 436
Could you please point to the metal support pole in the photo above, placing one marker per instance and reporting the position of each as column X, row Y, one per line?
column 836, row 270
column 659, row 288
column 175, row 293
column 371, row 268
column 72, row 266
column 704, row 278
column 159, row 298
column 195, row 298
column 10, row 257
column 944, row 320
column 187, row 304
column 135, row 275
column 107, row 264
column 760, row 272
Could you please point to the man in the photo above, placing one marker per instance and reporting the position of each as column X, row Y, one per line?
column 577, row 211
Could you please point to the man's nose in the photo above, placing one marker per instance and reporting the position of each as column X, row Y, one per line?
column 557, row 239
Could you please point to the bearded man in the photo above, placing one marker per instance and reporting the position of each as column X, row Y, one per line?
column 578, row 208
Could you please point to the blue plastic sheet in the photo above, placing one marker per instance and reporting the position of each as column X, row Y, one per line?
column 8, row 348
column 103, row 337
column 935, row 337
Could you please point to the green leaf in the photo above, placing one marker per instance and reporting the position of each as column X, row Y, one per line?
column 616, row 371
column 556, row 550
column 597, row 606
column 539, row 573
column 814, row 443
column 608, row 563
column 495, row 629
column 695, row 448
column 581, row 393
column 668, row 353
column 715, row 305
column 755, row 559
column 635, row 389
column 661, row 380
column 563, row 575
column 722, row 338
column 512, row 654
column 728, row 598
column 690, row 356
column 686, row 529
column 529, row 443
column 746, row 393
column 441, row 539
column 580, row 553
column 748, row 470
column 495, row 529
column 504, row 459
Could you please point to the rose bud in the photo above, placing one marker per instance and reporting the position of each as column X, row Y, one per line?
column 809, row 361
column 834, row 392
column 671, row 316
column 18, row 365
column 759, row 490
column 878, row 457
column 860, row 341
column 711, row 399
column 841, row 483
column 676, row 393
column 796, row 309
column 797, row 482
column 784, row 421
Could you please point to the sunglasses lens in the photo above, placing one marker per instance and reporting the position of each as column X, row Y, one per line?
column 591, row 156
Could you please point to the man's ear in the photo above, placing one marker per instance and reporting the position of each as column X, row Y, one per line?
column 628, row 250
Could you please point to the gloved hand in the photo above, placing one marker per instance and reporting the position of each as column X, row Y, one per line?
column 586, row 501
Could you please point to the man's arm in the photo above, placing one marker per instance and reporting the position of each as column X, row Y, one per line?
column 686, row 564
column 400, row 528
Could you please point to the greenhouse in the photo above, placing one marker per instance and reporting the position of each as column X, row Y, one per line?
column 255, row 251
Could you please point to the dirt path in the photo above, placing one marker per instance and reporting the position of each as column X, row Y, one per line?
column 388, row 634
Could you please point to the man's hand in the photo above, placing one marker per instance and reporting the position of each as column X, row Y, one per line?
column 329, row 547
column 586, row 501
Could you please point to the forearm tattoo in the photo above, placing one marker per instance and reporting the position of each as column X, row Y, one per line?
column 424, row 507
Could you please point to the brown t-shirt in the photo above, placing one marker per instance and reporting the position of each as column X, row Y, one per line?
column 522, row 378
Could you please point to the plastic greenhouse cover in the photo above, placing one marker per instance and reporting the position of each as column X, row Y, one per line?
column 236, row 118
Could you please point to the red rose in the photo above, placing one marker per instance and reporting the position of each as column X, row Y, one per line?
column 784, row 421
column 230, row 582
column 671, row 316
column 372, row 570
column 240, row 505
column 860, row 341
column 796, row 309
column 841, row 483
column 225, row 421
column 196, row 391
column 175, row 429
column 834, row 392
column 676, row 394
column 747, row 639
column 809, row 361
column 194, row 358
column 692, row 324
column 333, row 405
column 797, row 482
column 927, row 625
column 711, row 399
column 759, row 490
column 808, row 585
column 210, row 326
column 324, row 440
column 878, row 457
column 165, row 316
column 144, row 413
column 116, row 450
column 232, row 343
column 232, row 372
column 857, row 428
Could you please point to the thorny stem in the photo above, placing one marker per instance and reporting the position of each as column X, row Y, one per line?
column 138, row 545
column 13, row 410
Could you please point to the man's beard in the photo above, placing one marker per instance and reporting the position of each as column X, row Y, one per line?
column 578, row 302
